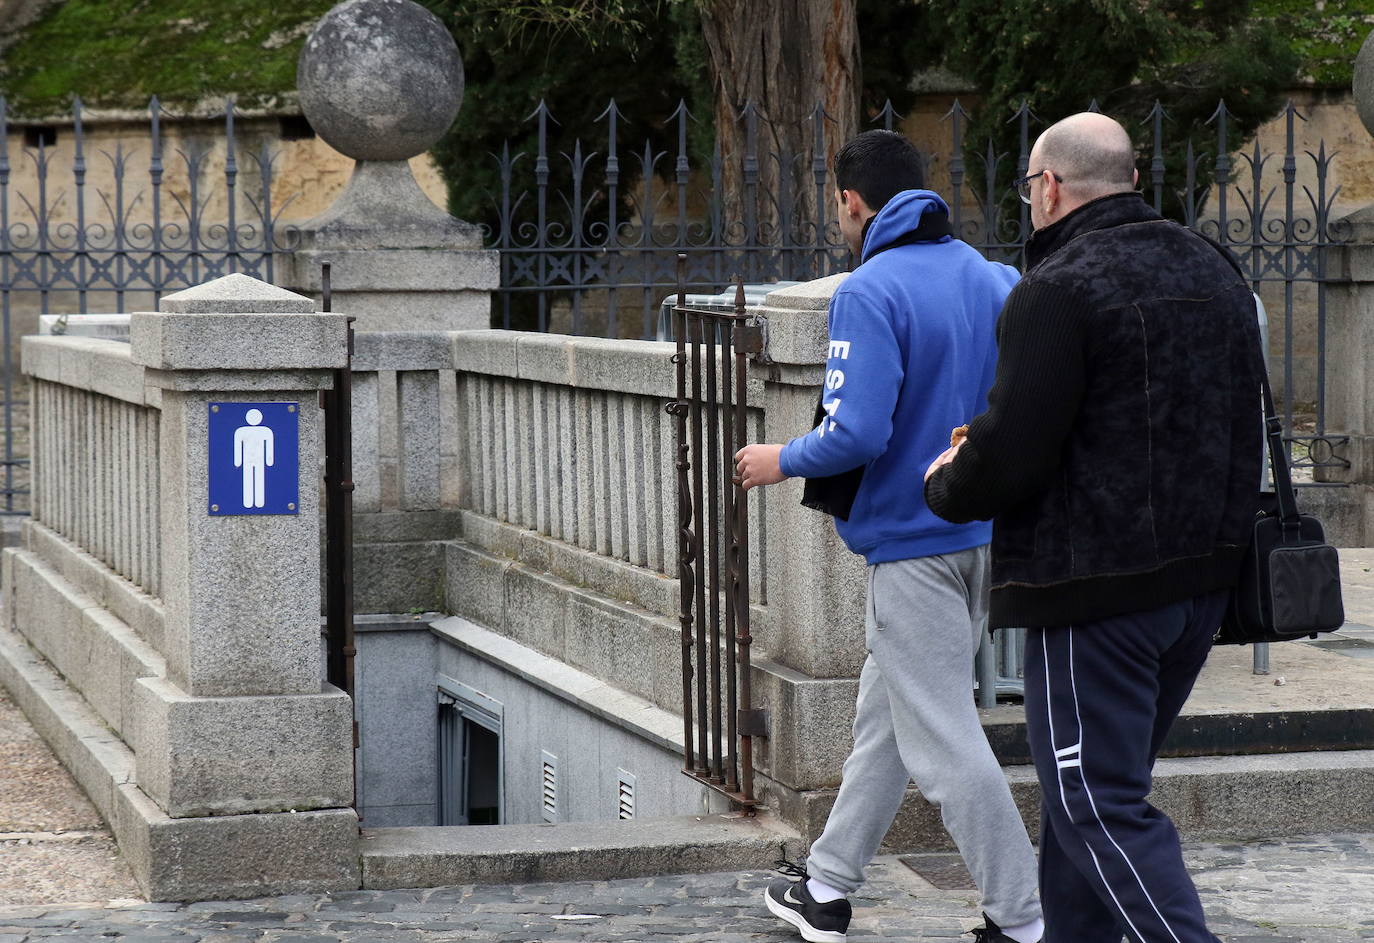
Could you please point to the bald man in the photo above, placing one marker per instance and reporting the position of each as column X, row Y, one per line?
column 1117, row 459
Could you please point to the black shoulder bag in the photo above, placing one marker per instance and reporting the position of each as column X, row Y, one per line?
column 835, row 494
column 1290, row 579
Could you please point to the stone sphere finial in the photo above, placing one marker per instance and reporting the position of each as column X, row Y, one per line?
column 1364, row 83
column 380, row 79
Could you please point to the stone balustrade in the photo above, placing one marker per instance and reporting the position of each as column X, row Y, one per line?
column 96, row 452
column 170, row 654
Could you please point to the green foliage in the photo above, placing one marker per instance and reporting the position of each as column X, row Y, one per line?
column 1326, row 36
column 118, row 53
column 1057, row 54
column 512, row 62
column 648, row 57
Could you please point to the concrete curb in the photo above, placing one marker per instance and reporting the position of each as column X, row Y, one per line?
column 601, row 851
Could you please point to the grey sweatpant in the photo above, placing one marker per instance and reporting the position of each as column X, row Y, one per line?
column 916, row 720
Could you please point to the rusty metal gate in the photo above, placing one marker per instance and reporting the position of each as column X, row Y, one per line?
column 713, row 543
column 337, row 403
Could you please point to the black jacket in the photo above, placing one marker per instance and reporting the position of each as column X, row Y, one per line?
column 1120, row 453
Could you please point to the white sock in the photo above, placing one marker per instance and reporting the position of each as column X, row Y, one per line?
column 1027, row 932
column 823, row 893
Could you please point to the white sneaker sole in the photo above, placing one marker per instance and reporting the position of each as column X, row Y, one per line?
column 808, row 933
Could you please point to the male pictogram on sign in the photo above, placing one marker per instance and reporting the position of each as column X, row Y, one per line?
column 253, row 456
column 253, row 453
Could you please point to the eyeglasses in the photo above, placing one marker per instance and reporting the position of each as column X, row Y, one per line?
column 1022, row 184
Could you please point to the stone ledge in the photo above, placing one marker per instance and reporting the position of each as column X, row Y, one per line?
column 273, row 341
column 578, row 630
column 594, row 851
column 796, row 320
column 215, row 858
column 614, row 578
column 585, row 691
column 391, row 527
column 642, row 368
column 1209, row 799
column 86, row 363
column 402, row 350
column 126, row 600
column 98, row 654
column 374, row 268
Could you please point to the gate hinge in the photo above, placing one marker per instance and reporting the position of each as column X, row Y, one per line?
column 749, row 338
column 752, row 723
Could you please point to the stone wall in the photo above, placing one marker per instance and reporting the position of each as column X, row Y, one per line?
column 171, row 658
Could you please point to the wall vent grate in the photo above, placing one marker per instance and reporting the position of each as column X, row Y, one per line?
column 625, row 794
column 549, row 799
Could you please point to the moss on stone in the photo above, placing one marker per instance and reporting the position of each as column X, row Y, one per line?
column 118, row 53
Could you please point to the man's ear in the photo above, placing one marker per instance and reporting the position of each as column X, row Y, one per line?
column 1135, row 178
column 853, row 203
column 1049, row 190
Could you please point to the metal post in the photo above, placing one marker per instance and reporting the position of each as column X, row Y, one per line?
column 712, row 536
column 728, row 537
column 685, row 554
column 338, row 490
column 987, row 671
column 741, row 554
column 695, row 329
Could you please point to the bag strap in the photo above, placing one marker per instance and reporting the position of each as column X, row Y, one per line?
column 1278, row 455
column 1278, row 463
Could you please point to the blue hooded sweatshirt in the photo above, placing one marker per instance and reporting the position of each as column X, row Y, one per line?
column 912, row 355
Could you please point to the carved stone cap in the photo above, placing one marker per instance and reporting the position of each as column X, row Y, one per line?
column 238, row 323
column 236, row 294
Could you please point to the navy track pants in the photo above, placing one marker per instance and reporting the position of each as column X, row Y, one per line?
column 1100, row 698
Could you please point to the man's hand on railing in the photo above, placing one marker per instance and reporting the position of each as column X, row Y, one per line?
column 757, row 465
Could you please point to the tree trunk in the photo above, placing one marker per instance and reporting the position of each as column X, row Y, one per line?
column 774, row 62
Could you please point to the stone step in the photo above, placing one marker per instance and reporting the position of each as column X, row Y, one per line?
column 1233, row 733
column 1209, row 798
column 600, row 851
column 1317, row 696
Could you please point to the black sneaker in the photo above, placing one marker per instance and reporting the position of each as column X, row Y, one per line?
column 792, row 901
column 991, row 933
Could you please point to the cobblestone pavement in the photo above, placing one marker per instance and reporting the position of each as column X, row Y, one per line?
column 1312, row 890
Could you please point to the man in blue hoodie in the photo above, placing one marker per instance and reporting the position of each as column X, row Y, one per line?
column 912, row 354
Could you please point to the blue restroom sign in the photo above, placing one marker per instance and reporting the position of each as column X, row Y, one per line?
column 254, row 458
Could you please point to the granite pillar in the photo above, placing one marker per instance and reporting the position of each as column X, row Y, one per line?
column 1348, row 513
column 242, row 722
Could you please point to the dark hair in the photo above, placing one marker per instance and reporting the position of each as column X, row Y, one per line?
column 878, row 165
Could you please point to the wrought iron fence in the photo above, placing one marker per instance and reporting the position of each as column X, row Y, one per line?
column 598, row 232
column 158, row 222
column 589, row 233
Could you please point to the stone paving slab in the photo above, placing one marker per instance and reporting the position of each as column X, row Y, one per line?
column 53, row 845
column 1309, row 890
